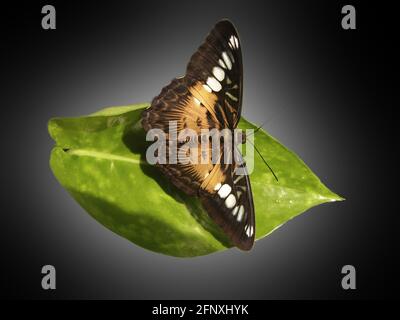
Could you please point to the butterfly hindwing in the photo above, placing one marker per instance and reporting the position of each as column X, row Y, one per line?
column 229, row 202
column 176, row 103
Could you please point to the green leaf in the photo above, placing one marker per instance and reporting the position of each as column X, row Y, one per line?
column 100, row 160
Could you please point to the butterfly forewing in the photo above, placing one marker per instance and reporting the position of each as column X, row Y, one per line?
column 217, row 64
column 209, row 96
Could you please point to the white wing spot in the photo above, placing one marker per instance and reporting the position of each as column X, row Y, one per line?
column 231, row 41
column 207, row 88
column 214, row 84
column 219, row 73
column 231, row 96
column 227, row 60
column 249, row 230
column 234, row 42
column 221, row 63
column 197, row 101
column 224, row 191
column 217, row 186
column 239, row 177
column 230, row 201
column 235, row 210
column 240, row 214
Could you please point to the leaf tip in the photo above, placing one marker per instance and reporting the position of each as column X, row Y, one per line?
column 335, row 197
column 339, row 198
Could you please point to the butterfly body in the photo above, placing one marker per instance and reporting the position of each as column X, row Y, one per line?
column 209, row 97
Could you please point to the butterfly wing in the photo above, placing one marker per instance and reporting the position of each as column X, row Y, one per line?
column 228, row 199
column 217, row 64
column 208, row 97
column 176, row 103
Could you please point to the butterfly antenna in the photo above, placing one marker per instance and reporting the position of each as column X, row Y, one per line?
column 258, row 128
column 272, row 171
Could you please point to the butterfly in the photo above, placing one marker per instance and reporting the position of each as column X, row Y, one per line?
column 209, row 96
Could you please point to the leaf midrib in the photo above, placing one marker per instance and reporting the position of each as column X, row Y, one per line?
column 109, row 156
column 316, row 195
column 103, row 155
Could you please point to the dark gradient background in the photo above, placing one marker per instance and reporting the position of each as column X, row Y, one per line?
column 319, row 87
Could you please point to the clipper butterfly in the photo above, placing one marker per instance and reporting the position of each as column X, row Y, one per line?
column 209, row 96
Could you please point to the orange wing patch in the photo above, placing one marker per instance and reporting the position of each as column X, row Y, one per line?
column 203, row 95
column 209, row 100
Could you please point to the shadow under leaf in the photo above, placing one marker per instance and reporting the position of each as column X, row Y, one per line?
column 144, row 230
